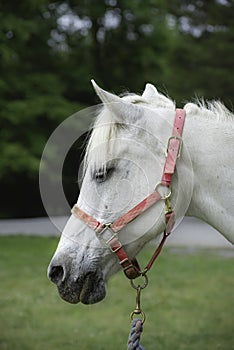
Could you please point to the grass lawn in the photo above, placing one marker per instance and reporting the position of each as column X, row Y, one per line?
column 189, row 303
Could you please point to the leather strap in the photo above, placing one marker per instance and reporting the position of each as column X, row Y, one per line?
column 122, row 221
column 130, row 267
column 86, row 218
column 170, row 221
column 136, row 211
column 173, row 147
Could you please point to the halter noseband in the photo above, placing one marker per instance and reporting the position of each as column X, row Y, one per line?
column 130, row 266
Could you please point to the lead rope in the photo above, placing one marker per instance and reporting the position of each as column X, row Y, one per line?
column 135, row 334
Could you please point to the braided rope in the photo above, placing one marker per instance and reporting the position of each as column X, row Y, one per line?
column 135, row 334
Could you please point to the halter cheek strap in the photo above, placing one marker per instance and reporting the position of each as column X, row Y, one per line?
column 108, row 232
column 174, row 146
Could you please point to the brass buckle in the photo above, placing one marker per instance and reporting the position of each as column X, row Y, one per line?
column 100, row 236
column 180, row 145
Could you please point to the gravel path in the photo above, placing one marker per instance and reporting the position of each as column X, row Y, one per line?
column 35, row 227
column 190, row 233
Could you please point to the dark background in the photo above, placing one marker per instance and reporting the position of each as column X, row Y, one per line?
column 50, row 50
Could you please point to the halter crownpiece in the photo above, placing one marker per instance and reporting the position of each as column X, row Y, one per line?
column 107, row 233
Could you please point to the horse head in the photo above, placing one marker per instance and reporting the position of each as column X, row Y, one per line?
column 123, row 162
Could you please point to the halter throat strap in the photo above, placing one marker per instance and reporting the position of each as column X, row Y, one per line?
column 107, row 233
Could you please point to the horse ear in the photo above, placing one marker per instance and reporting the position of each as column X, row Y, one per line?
column 150, row 91
column 124, row 111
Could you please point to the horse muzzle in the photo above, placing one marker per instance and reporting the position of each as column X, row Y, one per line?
column 87, row 287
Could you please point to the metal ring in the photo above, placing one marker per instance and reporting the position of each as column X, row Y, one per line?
column 165, row 196
column 141, row 313
column 145, row 284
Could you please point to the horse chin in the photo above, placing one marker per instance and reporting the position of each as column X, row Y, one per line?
column 89, row 290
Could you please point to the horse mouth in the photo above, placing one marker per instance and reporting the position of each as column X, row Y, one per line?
column 89, row 289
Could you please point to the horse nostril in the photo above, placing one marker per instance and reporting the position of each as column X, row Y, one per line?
column 56, row 274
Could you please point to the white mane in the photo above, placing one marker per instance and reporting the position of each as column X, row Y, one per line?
column 209, row 109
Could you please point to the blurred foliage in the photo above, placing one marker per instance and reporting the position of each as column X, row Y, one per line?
column 49, row 51
column 202, row 59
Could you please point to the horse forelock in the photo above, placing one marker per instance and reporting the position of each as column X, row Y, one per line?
column 105, row 129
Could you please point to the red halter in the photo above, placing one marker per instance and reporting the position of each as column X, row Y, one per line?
column 131, row 267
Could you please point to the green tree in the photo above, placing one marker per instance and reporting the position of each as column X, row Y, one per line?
column 203, row 49
column 117, row 36
column 32, row 97
column 49, row 53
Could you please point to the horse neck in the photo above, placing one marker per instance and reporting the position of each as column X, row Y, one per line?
column 210, row 143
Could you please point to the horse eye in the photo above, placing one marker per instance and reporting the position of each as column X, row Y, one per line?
column 101, row 174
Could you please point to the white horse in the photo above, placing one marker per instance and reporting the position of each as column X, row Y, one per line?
column 123, row 162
